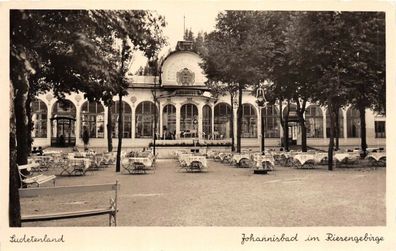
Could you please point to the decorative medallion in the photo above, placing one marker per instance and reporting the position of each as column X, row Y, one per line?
column 78, row 99
column 49, row 97
column 133, row 99
column 185, row 77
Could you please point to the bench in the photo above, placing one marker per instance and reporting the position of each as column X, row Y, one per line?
column 27, row 180
column 49, row 191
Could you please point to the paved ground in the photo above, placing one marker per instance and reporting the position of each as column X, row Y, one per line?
column 228, row 196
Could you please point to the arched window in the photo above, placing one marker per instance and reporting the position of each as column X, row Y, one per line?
column 206, row 121
column 353, row 123
column 39, row 119
column 189, row 121
column 249, row 121
column 222, row 121
column 126, row 119
column 145, row 113
column 314, row 121
column 271, row 122
column 92, row 119
column 169, row 122
column 340, row 124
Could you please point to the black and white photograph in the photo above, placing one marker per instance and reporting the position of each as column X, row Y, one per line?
column 265, row 122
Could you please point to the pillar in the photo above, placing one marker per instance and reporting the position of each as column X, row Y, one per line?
column 161, row 122
column 178, row 107
column 200, row 127
column 324, row 124
column 133, row 121
column 259, row 132
column 213, row 106
column 344, row 113
column 49, row 124
column 105, row 121
column 78, row 122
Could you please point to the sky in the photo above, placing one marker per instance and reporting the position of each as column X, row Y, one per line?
column 197, row 17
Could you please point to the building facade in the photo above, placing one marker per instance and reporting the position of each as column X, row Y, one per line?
column 185, row 110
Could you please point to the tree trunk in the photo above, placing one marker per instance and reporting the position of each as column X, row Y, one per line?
column 30, row 125
column 363, row 142
column 120, row 131
column 232, row 124
column 239, row 118
column 337, row 129
column 109, row 128
column 21, row 122
column 303, row 134
column 331, row 138
column 14, row 208
column 284, row 125
column 301, row 120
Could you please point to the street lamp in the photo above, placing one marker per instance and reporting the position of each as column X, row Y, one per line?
column 262, row 103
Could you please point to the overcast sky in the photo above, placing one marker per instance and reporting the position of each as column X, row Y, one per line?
column 198, row 18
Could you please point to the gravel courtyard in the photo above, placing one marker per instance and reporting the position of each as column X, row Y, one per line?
column 227, row 196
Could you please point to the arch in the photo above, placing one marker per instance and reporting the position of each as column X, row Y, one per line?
column 353, row 123
column 39, row 119
column 249, row 121
column 64, row 108
column 271, row 122
column 314, row 121
column 188, row 120
column 92, row 119
column 169, row 121
column 63, row 123
column 340, row 123
column 126, row 119
column 222, row 120
column 206, row 120
column 145, row 117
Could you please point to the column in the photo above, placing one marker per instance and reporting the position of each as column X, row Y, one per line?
column 324, row 124
column 78, row 123
column 106, row 112
column 200, row 112
column 49, row 124
column 160, row 119
column 235, row 123
column 259, row 132
column 133, row 121
column 213, row 106
column 178, row 106
column 344, row 113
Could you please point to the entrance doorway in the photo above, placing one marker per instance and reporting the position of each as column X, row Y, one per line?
column 63, row 124
column 64, row 132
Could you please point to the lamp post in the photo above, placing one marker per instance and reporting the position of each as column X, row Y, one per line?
column 262, row 103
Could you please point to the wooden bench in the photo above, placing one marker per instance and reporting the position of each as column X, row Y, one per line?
column 27, row 180
column 50, row 191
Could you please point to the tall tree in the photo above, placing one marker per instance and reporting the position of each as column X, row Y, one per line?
column 232, row 55
column 134, row 30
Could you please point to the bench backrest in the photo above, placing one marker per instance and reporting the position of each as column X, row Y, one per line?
column 31, row 192
column 27, row 168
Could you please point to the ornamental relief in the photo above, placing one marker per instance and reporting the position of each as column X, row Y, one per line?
column 185, row 77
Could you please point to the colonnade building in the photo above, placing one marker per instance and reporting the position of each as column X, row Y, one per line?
column 186, row 111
